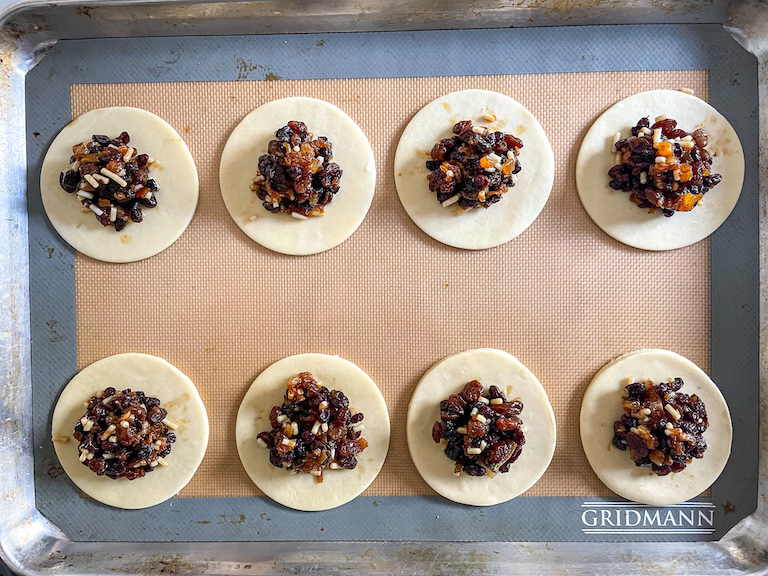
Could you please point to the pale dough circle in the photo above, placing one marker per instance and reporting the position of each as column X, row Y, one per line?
column 601, row 407
column 489, row 367
column 338, row 486
column 177, row 394
column 622, row 219
column 176, row 177
column 482, row 227
column 281, row 232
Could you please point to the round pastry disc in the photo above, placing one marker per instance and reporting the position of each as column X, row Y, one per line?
column 302, row 491
column 177, row 394
column 482, row 227
column 601, row 407
column 622, row 219
column 175, row 174
column 281, row 232
column 489, row 367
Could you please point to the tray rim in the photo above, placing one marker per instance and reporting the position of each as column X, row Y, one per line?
column 30, row 544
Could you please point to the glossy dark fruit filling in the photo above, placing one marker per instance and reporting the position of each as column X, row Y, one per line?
column 474, row 168
column 664, row 167
column 314, row 429
column 296, row 175
column 124, row 434
column 662, row 427
column 481, row 432
column 111, row 179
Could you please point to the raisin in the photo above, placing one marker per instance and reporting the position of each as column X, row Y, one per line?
column 148, row 401
column 454, row 450
column 474, row 470
column 472, row 391
column 348, row 449
column 508, row 409
column 338, row 399
column 157, row 414
column 349, row 463
column 450, row 410
column 635, row 389
column 498, row 453
column 342, row 417
column 667, row 126
column 136, row 215
column 510, row 423
column 476, row 429
column 97, row 465
column 437, row 432
column 701, row 137
column 297, row 127
column 69, row 181
column 494, row 392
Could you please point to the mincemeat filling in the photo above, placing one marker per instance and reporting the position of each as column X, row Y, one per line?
column 124, row 434
column 664, row 167
column 296, row 175
column 111, row 179
column 314, row 429
column 662, row 427
column 474, row 168
column 482, row 433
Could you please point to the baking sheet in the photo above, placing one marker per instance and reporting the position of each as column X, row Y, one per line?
column 539, row 353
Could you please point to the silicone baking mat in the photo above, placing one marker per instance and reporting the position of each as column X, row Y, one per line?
column 563, row 297
column 561, row 286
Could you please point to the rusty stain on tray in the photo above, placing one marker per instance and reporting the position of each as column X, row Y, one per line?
column 86, row 11
column 54, row 335
column 245, row 67
column 154, row 564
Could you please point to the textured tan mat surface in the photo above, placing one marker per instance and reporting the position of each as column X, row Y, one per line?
column 563, row 297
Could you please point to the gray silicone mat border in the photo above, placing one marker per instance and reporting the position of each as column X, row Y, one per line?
column 734, row 260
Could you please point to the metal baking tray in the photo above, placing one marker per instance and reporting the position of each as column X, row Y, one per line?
column 31, row 544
